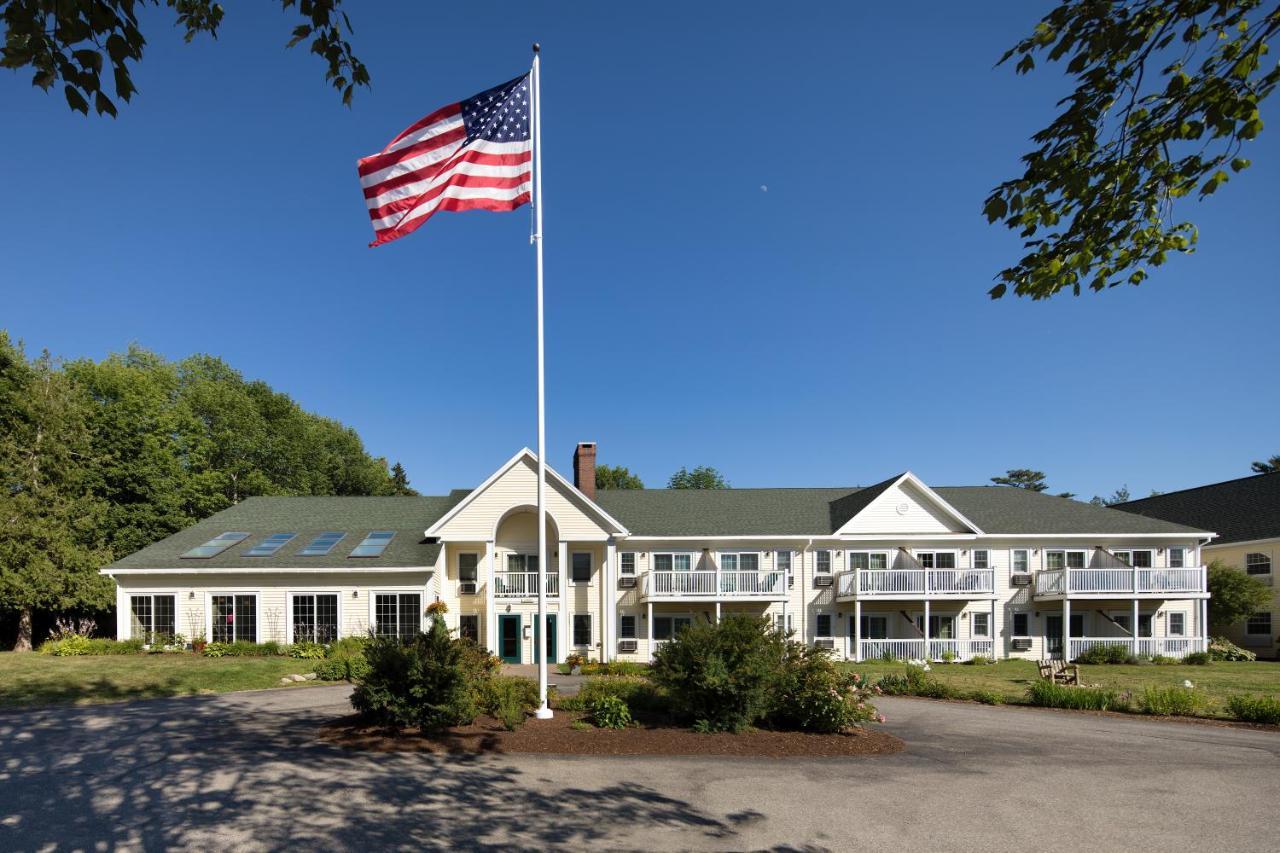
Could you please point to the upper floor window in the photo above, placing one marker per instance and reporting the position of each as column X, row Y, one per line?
column 581, row 569
column 468, row 567
column 672, row 562
column 1020, row 560
column 822, row 562
column 981, row 559
column 937, row 559
column 1177, row 558
column 1137, row 559
column 784, row 562
column 627, row 563
column 1257, row 564
column 1064, row 559
column 746, row 562
column 867, row 560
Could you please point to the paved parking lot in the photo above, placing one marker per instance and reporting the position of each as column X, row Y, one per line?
column 244, row 771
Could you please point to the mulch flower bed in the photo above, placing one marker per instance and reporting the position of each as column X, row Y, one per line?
column 559, row 736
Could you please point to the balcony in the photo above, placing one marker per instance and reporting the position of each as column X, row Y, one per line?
column 523, row 584
column 892, row 649
column 715, row 586
column 1101, row 583
column 916, row 583
column 1170, row 647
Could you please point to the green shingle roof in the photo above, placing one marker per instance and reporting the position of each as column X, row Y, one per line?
column 306, row 516
column 1238, row 510
column 1003, row 509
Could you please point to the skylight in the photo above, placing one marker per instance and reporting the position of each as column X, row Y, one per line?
column 322, row 544
column 216, row 545
column 270, row 545
column 373, row 544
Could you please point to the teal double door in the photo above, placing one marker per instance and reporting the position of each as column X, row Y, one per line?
column 509, row 637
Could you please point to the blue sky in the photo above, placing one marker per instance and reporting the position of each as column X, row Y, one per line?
column 830, row 330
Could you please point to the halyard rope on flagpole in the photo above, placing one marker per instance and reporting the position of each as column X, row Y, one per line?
column 540, row 641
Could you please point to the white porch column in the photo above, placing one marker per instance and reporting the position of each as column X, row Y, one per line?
column 1204, row 624
column 1134, row 626
column 124, row 613
column 564, row 619
column 857, row 629
column 650, row 630
column 1066, row 629
column 609, row 610
column 717, row 611
column 926, row 626
column 490, row 606
column 992, row 631
column 784, row 616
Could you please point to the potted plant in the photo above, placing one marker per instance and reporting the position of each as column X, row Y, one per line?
column 198, row 642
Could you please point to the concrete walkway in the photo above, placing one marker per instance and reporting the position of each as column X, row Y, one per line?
column 565, row 685
column 244, row 771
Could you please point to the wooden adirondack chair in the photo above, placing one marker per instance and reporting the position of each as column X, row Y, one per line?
column 1059, row 671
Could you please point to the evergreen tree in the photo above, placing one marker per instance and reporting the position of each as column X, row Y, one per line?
column 400, row 481
column 1270, row 466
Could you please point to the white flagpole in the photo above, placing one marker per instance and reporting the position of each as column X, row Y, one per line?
column 544, row 710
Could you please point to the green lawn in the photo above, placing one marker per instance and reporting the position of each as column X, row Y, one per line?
column 1011, row 678
column 30, row 678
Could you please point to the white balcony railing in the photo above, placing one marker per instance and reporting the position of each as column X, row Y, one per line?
column 960, row 649
column 870, row 583
column 711, row 584
column 523, row 584
column 1170, row 647
column 1123, row 580
column 896, row 649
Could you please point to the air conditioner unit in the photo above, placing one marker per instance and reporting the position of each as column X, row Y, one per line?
column 1020, row 579
column 823, row 580
column 1022, row 645
column 825, row 643
column 626, row 582
column 791, row 581
column 627, row 646
column 467, row 588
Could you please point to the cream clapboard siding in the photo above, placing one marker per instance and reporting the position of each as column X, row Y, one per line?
column 1234, row 555
column 903, row 509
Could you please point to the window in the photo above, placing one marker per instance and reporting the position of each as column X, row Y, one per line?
column 822, row 562
column 215, row 546
column 582, row 629
column 468, row 568
column 152, row 618
column 1257, row 564
column 1177, row 624
column 1138, row 559
column 1064, row 560
column 1021, row 625
column 937, row 559
column 873, row 627
column 866, row 560
column 397, row 614
column 1020, row 560
column 787, row 624
column 270, row 545
column 745, row 562
column 469, row 627
column 627, row 627
column 1144, row 624
column 315, row 617
column 235, row 618
column 1259, row 623
column 581, row 569
column 522, row 563
column 823, row 628
column 322, row 544
column 941, row 626
column 1177, row 558
column 627, row 563
column 783, row 563
column 374, row 544
column 982, row 624
column 666, row 627
column 981, row 560
column 672, row 562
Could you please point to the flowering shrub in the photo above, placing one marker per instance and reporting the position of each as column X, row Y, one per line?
column 814, row 695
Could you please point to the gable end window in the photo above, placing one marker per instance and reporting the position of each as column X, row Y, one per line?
column 1257, row 564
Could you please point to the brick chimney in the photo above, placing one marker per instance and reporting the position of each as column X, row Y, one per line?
column 584, row 468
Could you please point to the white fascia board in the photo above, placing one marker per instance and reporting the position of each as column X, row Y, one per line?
column 1270, row 540
column 270, row 570
column 911, row 537
column 524, row 452
column 1191, row 533
column 713, row 538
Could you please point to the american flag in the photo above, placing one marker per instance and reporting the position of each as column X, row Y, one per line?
column 472, row 155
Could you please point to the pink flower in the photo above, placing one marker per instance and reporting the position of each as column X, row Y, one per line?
column 879, row 718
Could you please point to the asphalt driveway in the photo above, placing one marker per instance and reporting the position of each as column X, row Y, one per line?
column 244, row 771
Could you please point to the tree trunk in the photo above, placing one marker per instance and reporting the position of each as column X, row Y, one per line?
column 24, row 631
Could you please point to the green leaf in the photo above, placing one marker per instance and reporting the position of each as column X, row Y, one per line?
column 75, row 100
column 1239, row 164
column 995, row 208
column 103, row 104
column 44, row 79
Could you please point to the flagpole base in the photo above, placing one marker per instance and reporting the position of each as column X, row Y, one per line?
column 543, row 713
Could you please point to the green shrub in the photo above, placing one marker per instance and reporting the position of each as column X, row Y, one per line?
column 347, row 647
column 640, row 695
column 1198, row 659
column 1255, row 709
column 979, row 660
column 722, row 676
column 331, row 670
column 617, row 667
column 913, row 681
column 509, row 699
column 243, row 649
column 1164, row 660
column 814, row 695
column 986, row 697
column 609, row 712
column 1169, row 701
column 215, row 650
column 1106, row 655
column 1047, row 694
column 76, row 645
column 424, row 682
column 73, row 645
column 308, row 651
column 1220, row 648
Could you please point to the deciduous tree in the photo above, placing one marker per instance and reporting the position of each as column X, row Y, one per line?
column 616, row 477
column 702, row 477
column 1233, row 595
